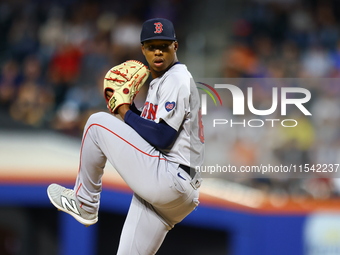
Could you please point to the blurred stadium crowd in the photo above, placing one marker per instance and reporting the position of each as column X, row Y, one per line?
column 291, row 39
column 53, row 55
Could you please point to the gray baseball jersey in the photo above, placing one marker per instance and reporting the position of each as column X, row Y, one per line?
column 173, row 98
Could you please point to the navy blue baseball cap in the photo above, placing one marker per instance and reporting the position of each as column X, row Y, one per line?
column 157, row 29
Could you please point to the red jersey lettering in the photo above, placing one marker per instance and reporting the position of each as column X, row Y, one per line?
column 152, row 111
column 145, row 109
column 149, row 111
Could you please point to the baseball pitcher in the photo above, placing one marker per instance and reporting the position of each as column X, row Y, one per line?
column 155, row 150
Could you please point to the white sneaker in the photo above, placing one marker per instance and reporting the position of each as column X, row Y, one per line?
column 65, row 200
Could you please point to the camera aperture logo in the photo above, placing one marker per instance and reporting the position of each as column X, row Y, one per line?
column 289, row 96
column 206, row 89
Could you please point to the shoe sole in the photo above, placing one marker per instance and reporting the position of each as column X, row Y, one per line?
column 77, row 217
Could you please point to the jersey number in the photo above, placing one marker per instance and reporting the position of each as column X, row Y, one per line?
column 200, row 126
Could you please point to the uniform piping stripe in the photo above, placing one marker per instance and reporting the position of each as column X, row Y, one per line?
column 78, row 191
column 82, row 143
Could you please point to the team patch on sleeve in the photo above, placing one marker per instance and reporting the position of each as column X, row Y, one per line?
column 170, row 106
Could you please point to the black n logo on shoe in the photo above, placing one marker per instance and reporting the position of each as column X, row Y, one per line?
column 67, row 205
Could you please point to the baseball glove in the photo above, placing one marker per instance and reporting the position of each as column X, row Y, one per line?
column 124, row 81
